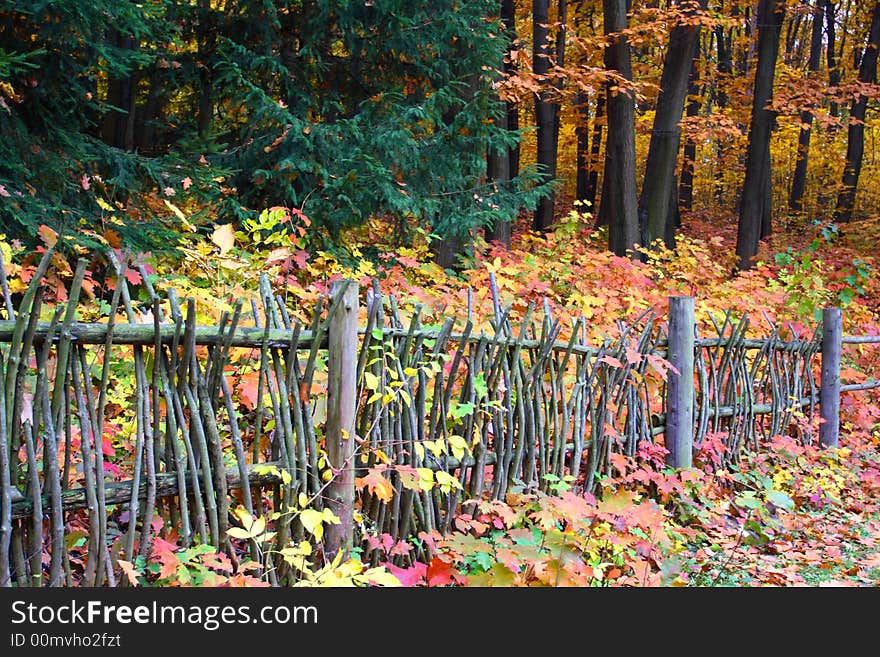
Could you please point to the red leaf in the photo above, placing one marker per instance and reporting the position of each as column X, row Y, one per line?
column 409, row 576
column 611, row 360
column 441, row 573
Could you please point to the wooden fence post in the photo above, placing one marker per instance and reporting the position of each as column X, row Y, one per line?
column 341, row 407
column 680, row 387
column 829, row 393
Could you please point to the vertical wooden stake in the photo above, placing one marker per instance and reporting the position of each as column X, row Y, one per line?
column 829, row 393
column 341, row 407
column 680, row 387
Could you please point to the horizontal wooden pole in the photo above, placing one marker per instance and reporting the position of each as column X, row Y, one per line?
column 119, row 492
column 144, row 334
column 252, row 337
column 860, row 339
column 867, row 385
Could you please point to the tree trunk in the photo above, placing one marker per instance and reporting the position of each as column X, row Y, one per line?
column 686, row 180
column 595, row 151
column 659, row 181
column 619, row 198
column 754, row 205
column 206, row 41
column 724, row 44
column 508, row 17
column 831, row 55
column 498, row 170
column 545, row 115
column 799, row 182
column 562, row 19
column 855, row 143
column 499, row 160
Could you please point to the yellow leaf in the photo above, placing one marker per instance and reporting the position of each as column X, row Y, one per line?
column 426, row 478
column 48, row 235
column 379, row 577
column 446, row 481
column 238, row 532
column 371, row 381
column 224, row 237
column 313, row 522
column 459, row 446
column 179, row 214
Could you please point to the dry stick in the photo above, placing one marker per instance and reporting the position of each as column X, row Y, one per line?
column 196, row 426
column 5, row 488
column 215, row 451
column 264, row 373
column 19, row 325
column 278, row 385
column 86, row 439
column 35, row 532
column 80, row 353
column 178, row 369
column 51, row 474
column 4, row 286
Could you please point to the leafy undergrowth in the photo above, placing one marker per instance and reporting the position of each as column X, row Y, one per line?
column 789, row 514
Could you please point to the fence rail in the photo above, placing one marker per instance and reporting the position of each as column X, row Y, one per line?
column 333, row 400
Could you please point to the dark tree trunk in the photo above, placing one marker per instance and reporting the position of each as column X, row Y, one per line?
column 562, row 19
column 499, row 159
column 755, row 208
column 686, row 180
column 508, row 17
column 582, row 132
column 619, row 197
column 545, row 114
column 855, row 143
column 659, row 182
column 118, row 126
column 725, row 71
column 149, row 114
column 595, row 151
column 831, row 54
column 799, row 182
column 206, row 42
column 498, row 170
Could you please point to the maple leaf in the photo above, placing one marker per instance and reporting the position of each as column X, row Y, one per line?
column 217, row 561
column 441, row 573
column 130, row 572
column 376, row 482
column 247, row 388
column 413, row 576
column 186, row 183
column 169, row 561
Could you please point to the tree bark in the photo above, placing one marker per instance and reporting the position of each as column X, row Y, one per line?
column 831, row 54
column 206, row 42
column 659, row 182
column 619, row 198
column 686, row 180
column 499, row 160
column 595, row 150
column 545, row 115
column 799, row 181
column 755, row 208
column 855, row 143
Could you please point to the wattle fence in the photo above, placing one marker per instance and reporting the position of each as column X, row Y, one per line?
column 88, row 469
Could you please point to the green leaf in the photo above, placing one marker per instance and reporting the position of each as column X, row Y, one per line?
column 780, row 499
